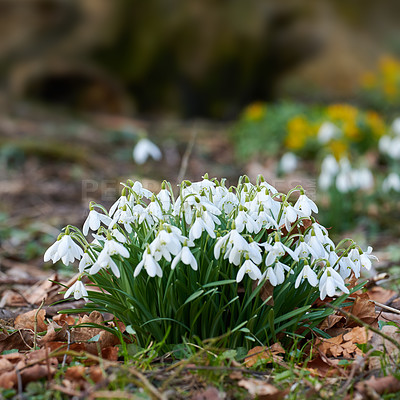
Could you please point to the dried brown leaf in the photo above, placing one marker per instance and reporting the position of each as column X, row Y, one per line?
column 381, row 295
column 8, row 379
column 364, row 309
column 386, row 384
column 75, row 373
column 64, row 318
column 210, row 393
column 20, row 340
column 83, row 334
column 55, row 336
column 259, row 388
column 262, row 353
column 27, row 320
column 96, row 373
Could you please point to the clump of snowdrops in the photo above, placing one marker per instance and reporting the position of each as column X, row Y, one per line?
column 241, row 263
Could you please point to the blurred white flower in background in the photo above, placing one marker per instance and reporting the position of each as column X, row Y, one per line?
column 327, row 132
column 396, row 126
column 391, row 182
column 145, row 149
column 288, row 163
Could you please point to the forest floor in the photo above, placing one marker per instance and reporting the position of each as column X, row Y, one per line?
column 51, row 166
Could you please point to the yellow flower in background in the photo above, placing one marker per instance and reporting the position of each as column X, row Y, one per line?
column 344, row 112
column 351, row 131
column 298, row 130
column 390, row 90
column 255, row 111
column 389, row 66
column 376, row 123
column 338, row 148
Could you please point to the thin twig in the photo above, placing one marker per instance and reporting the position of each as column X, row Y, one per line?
column 385, row 307
column 356, row 364
column 146, row 384
column 186, row 156
column 36, row 324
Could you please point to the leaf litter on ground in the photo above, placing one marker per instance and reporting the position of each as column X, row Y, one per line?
column 74, row 355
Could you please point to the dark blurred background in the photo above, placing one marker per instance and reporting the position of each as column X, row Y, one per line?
column 198, row 58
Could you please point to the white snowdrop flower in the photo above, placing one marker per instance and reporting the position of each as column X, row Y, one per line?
column 322, row 234
column 329, row 165
column 78, row 289
column 140, row 214
column 277, row 250
column 288, row 163
column 138, row 189
column 327, row 132
column 65, row 249
column 254, row 252
column 325, row 180
column 269, row 274
column 199, row 226
column 306, row 273
column 164, row 196
column 333, row 259
column 154, row 210
column 165, row 244
column 354, row 256
column 344, row 182
column 330, row 280
column 122, row 216
column 119, row 205
column 225, row 200
column 263, row 220
column 104, row 261
column 391, row 182
column 186, row 256
column 85, row 262
column 145, row 149
column 52, row 252
column 346, row 265
column 366, row 257
column 384, row 144
column 318, row 247
column 249, row 268
column 303, row 250
column 112, row 247
column 290, row 215
column 118, row 235
column 363, row 178
column 270, row 188
column 305, row 205
column 279, row 271
column 93, row 221
column 236, row 247
column 149, row 264
column 394, row 149
column 245, row 221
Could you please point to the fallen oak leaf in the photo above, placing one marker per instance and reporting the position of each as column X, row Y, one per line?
column 363, row 309
column 264, row 353
column 54, row 336
column 31, row 320
column 330, row 347
column 64, row 318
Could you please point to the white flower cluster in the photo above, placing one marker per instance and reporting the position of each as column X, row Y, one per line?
column 344, row 176
column 389, row 145
column 250, row 227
